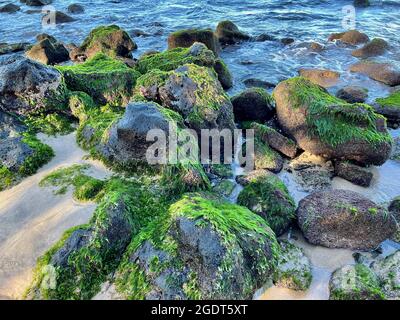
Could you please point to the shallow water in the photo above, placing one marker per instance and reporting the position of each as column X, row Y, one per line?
column 303, row 20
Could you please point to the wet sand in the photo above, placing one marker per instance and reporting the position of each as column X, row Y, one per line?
column 32, row 219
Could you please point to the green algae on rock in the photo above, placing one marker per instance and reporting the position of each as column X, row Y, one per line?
column 186, row 38
column 105, row 79
column 389, row 107
column 325, row 125
column 266, row 195
column 202, row 248
column 196, row 54
column 294, row 268
column 110, row 40
column 80, row 262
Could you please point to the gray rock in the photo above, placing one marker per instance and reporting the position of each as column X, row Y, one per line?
column 37, row 3
column 76, row 8
column 388, row 273
column 228, row 33
column 9, row 8
column 26, row 86
column 353, row 173
column 353, row 94
column 383, row 72
column 344, row 219
column 48, row 51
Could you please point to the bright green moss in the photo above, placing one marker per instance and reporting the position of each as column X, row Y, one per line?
column 261, row 196
column 332, row 120
column 153, row 77
column 224, row 188
column 6, row 178
column 392, row 101
column 171, row 59
column 222, row 170
column 86, row 188
column 99, row 32
column 81, row 104
column 103, row 78
column 49, row 123
column 42, row 155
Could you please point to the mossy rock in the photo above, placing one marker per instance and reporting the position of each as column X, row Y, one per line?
column 266, row 195
column 197, row 54
column 195, row 93
column 202, row 248
column 389, row 107
column 81, row 104
column 325, row 125
column 228, row 33
column 224, row 188
column 103, row 78
column 76, row 266
column 376, row 47
column 356, row 282
column 222, row 170
column 294, row 268
column 186, row 38
column 110, row 40
column 388, row 273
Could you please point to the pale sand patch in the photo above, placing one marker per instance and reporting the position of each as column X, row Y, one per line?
column 32, row 219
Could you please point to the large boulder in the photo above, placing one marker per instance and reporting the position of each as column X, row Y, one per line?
column 105, row 79
column 254, row 104
column 110, row 40
column 330, row 127
column 267, row 196
column 197, row 54
column 48, row 51
column 321, row 77
column 27, row 86
column 186, row 38
column 382, row 72
column 228, row 33
column 192, row 91
column 389, row 107
column 352, row 37
column 344, row 219
column 203, row 248
column 376, row 47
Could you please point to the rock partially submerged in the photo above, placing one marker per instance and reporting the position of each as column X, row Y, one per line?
column 27, row 86
column 327, row 126
column 76, row 8
column 266, row 195
column 389, row 107
column 57, row 17
column 186, row 38
column 376, row 47
column 9, row 8
column 353, row 173
column 344, row 219
column 352, row 37
column 209, row 248
column 37, row 3
column 353, row 94
column 6, row 48
column 253, row 104
column 48, row 51
column 382, row 72
column 110, row 40
column 228, row 33
column 321, row 77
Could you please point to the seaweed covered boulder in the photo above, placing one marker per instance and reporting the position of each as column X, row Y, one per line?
column 105, row 79
column 197, row 54
column 21, row 153
column 344, row 219
column 254, row 104
column 294, row 268
column 186, row 38
column 27, row 86
column 355, row 282
column 110, row 40
column 325, row 125
column 389, row 107
column 202, row 248
column 76, row 266
column 48, row 51
column 267, row 196
column 228, row 33
column 192, row 91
